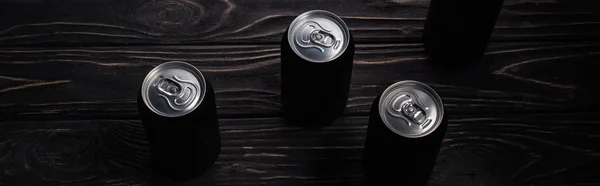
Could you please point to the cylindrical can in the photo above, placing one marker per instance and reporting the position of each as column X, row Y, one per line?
column 407, row 124
column 178, row 111
column 317, row 54
column 457, row 31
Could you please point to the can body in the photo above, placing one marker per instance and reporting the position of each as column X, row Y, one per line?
column 457, row 31
column 393, row 158
column 183, row 147
column 314, row 93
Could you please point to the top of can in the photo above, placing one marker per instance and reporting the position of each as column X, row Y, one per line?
column 173, row 89
column 411, row 109
column 318, row 36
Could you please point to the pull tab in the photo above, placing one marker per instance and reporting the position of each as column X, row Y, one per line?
column 177, row 92
column 313, row 35
column 184, row 97
column 404, row 106
column 168, row 87
column 414, row 112
column 324, row 39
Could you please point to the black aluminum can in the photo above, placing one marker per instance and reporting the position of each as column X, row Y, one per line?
column 458, row 31
column 407, row 124
column 178, row 111
column 317, row 54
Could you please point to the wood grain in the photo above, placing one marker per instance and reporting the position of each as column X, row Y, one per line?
column 510, row 149
column 101, row 82
column 143, row 22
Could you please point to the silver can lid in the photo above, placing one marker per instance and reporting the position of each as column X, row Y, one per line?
column 318, row 36
column 173, row 89
column 411, row 109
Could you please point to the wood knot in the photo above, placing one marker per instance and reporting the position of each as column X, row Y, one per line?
column 170, row 15
column 75, row 153
column 183, row 17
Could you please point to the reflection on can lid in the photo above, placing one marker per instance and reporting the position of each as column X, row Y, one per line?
column 318, row 36
column 173, row 89
column 411, row 109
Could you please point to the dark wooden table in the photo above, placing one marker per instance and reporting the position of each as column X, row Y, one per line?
column 527, row 114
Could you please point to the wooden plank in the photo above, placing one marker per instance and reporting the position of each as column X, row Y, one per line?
column 102, row 82
column 92, row 22
column 535, row 149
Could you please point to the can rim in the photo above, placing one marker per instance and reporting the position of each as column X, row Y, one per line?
column 436, row 98
column 332, row 15
column 152, row 72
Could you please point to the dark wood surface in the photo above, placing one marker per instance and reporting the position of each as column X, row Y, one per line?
column 508, row 149
column 527, row 114
column 101, row 82
column 93, row 22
